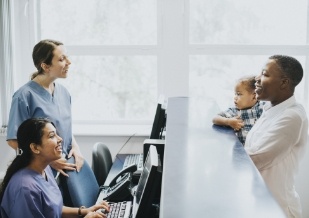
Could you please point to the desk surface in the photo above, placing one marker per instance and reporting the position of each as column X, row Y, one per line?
column 207, row 172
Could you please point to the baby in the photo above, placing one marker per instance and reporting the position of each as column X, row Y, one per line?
column 246, row 111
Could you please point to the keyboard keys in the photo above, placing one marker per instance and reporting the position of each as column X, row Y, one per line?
column 120, row 210
column 134, row 159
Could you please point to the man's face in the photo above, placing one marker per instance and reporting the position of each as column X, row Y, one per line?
column 268, row 83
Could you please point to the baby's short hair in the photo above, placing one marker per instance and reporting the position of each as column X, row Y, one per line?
column 248, row 82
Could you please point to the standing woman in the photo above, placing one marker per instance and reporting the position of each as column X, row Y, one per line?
column 43, row 97
column 28, row 188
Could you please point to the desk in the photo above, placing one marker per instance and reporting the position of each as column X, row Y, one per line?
column 207, row 172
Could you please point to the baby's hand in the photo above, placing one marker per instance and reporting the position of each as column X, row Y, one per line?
column 236, row 123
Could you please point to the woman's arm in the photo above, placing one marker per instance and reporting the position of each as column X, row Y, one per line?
column 13, row 143
column 68, row 212
column 90, row 212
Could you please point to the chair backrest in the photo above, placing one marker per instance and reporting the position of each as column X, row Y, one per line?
column 101, row 162
column 82, row 186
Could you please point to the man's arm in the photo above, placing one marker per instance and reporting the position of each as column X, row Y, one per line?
column 274, row 144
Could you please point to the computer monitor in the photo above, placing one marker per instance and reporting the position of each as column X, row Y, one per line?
column 149, row 186
column 159, row 144
column 158, row 122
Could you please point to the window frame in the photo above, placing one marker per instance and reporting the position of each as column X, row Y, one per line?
column 173, row 49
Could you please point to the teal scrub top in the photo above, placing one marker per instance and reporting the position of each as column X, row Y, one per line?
column 32, row 100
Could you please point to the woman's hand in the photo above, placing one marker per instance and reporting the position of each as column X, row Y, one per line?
column 61, row 164
column 95, row 210
column 79, row 159
column 75, row 152
column 95, row 215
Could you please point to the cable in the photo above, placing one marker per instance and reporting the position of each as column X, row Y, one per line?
column 126, row 142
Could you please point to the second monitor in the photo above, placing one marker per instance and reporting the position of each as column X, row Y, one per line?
column 159, row 122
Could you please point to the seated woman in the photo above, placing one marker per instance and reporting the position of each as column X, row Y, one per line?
column 29, row 188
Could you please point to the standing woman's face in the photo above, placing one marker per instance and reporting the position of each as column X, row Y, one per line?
column 51, row 148
column 60, row 63
column 268, row 83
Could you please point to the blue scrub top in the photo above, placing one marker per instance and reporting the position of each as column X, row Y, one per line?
column 32, row 100
column 29, row 194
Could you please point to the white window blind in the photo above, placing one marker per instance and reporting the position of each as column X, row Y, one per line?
column 6, row 61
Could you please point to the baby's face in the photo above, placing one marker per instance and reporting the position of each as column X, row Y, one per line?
column 243, row 99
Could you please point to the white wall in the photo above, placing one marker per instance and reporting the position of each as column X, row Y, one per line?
column 7, row 154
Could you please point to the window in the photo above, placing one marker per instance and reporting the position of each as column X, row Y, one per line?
column 99, row 22
column 112, row 87
column 229, row 39
column 105, row 86
column 265, row 22
column 126, row 53
column 215, row 76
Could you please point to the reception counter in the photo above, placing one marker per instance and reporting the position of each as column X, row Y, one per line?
column 206, row 171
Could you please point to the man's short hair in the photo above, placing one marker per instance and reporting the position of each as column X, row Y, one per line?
column 290, row 67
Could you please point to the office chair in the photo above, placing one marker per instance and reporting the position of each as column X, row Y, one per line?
column 101, row 162
column 80, row 188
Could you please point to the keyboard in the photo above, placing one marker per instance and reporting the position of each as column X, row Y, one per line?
column 134, row 159
column 119, row 210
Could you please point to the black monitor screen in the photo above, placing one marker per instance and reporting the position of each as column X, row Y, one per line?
column 148, row 185
column 158, row 123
